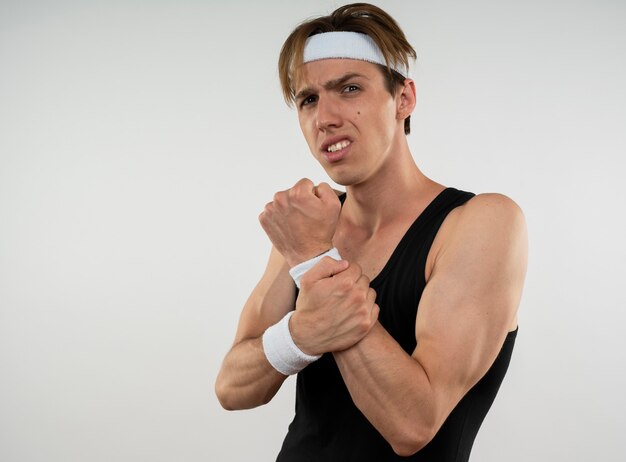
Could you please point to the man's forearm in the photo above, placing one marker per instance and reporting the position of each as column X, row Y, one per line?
column 247, row 379
column 390, row 388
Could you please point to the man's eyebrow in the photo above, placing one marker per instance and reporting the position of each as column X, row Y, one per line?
column 329, row 85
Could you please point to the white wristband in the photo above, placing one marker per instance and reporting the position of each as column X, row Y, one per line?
column 282, row 352
column 301, row 268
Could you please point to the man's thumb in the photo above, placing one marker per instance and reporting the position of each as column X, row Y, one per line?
column 323, row 269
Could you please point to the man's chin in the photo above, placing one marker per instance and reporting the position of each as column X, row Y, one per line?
column 345, row 182
column 339, row 179
column 342, row 176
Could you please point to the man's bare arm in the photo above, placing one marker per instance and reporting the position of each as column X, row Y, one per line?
column 467, row 307
column 300, row 222
column 246, row 379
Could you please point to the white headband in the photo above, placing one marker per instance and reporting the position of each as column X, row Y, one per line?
column 347, row 45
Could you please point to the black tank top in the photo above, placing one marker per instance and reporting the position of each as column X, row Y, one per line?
column 328, row 427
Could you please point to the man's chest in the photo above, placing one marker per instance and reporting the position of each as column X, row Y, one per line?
column 373, row 252
column 371, row 255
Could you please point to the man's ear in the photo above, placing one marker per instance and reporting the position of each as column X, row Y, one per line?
column 406, row 99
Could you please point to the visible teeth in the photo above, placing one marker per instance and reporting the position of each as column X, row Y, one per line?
column 338, row 146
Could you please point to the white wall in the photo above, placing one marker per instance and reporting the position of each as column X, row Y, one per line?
column 140, row 140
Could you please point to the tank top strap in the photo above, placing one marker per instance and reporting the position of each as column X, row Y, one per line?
column 416, row 242
column 449, row 200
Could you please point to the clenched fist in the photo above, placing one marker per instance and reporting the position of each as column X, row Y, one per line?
column 301, row 221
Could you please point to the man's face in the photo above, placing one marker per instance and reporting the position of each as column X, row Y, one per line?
column 348, row 118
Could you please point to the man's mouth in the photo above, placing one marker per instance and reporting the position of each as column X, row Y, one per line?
column 338, row 146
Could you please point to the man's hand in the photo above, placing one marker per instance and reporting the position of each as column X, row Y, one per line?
column 301, row 221
column 335, row 309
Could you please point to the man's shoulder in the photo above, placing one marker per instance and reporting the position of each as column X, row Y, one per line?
column 485, row 240
column 483, row 220
column 487, row 219
column 489, row 210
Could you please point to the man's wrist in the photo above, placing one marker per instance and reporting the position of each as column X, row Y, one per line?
column 282, row 352
column 295, row 259
column 300, row 269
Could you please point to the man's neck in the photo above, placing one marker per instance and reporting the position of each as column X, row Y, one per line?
column 398, row 187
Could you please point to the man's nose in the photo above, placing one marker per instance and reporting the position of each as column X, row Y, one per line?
column 328, row 114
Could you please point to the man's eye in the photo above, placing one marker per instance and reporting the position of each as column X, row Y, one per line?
column 308, row 100
column 350, row 88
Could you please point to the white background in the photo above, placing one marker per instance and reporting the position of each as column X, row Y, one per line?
column 139, row 140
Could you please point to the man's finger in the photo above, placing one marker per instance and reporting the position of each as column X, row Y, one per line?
column 305, row 184
column 374, row 313
column 325, row 268
column 325, row 192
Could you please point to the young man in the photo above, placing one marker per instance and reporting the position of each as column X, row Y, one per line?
column 400, row 334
